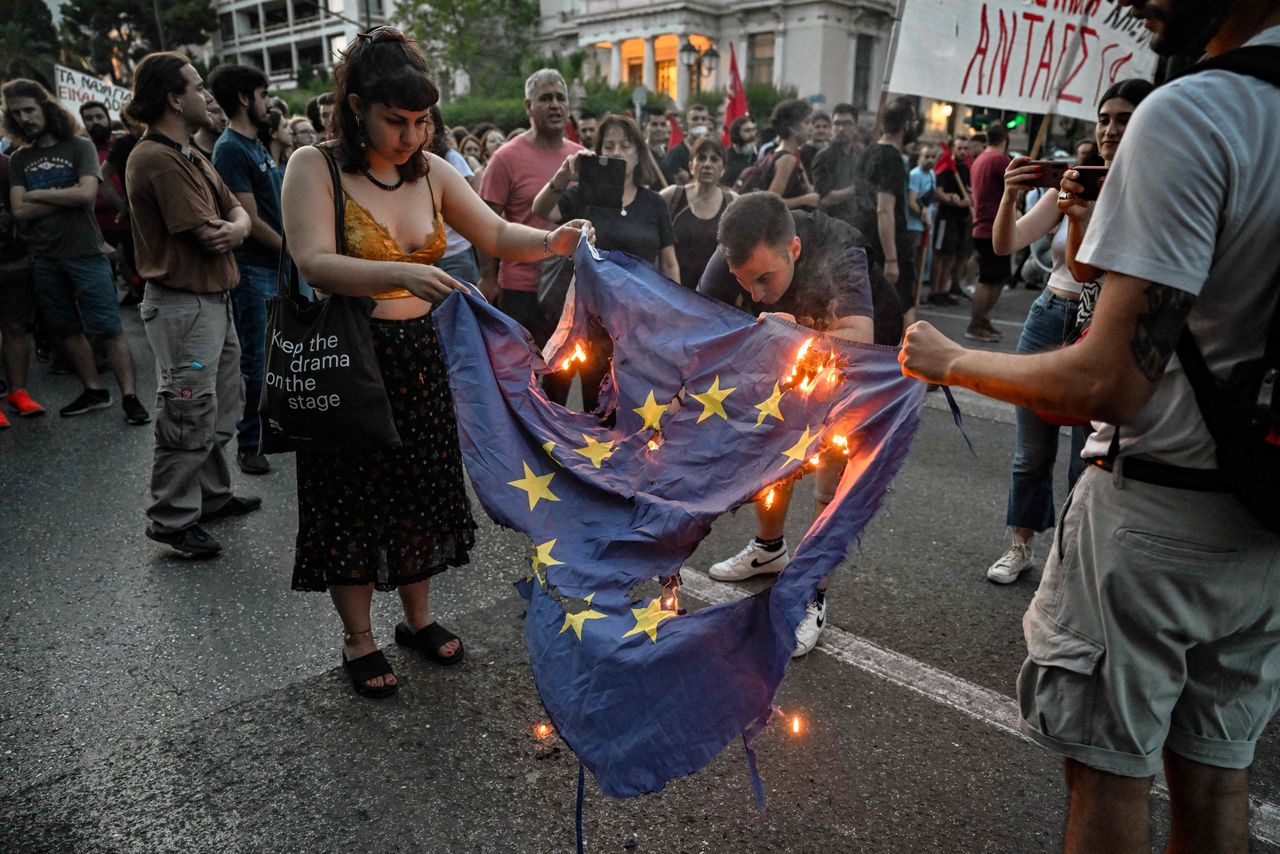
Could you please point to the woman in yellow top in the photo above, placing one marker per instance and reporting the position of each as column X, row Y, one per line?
column 391, row 518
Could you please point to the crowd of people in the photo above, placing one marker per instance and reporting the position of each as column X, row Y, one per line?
column 812, row 217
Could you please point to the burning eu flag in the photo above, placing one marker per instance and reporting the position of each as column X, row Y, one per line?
column 704, row 410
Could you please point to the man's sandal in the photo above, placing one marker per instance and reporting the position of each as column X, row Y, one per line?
column 428, row 640
column 366, row 668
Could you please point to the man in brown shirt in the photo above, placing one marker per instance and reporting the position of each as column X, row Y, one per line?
column 185, row 225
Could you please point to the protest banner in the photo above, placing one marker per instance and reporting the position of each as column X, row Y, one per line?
column 76, row 87
column 1033, row 56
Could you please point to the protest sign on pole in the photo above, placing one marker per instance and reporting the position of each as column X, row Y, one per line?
column 1032, row 56
column 76, row 87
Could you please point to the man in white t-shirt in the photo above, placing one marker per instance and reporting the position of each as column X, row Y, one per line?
column 1154, row 638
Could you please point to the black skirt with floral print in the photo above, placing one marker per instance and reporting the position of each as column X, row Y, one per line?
column 396, row 515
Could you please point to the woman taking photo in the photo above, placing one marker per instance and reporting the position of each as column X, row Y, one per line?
column 1050, row 324
column 640, row 227
column 391, row 518
column 696, row 209
column 790, row 181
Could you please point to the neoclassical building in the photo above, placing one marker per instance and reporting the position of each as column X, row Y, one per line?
column 830, row 50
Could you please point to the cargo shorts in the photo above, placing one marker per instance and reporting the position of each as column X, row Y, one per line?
column 1156, row 624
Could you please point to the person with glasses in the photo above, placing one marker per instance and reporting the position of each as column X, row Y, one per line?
column 391, row 518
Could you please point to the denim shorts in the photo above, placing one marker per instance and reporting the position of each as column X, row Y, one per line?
column 77, row 294
column 1156, row 624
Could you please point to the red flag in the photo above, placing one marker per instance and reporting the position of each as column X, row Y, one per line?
column 735, row 100
column 571, row 130
column 677, row 135
column 945, row 161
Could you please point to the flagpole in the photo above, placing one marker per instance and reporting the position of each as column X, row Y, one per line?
column 1067, row 63
column 888, row 64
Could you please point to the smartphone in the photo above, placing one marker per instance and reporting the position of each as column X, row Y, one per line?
column 1091, row 178
column 600, row 181
column 1051, row 172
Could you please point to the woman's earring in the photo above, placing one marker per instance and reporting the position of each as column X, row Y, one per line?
column 364, row 140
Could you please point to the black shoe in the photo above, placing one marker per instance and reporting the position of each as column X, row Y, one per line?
column 251, row 462
column 89, row 400
column 193, row 541
column 134, row 411
column 60, row 366
column 239, row 505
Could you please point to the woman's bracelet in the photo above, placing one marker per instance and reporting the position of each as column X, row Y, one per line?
column 546, row 243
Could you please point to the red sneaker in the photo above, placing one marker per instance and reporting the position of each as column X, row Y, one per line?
column 23, row 404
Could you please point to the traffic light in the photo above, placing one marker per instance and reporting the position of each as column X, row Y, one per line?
column 1019, row 119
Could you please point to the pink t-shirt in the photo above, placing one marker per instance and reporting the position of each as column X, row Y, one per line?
column 986, row 177
column 512, row 178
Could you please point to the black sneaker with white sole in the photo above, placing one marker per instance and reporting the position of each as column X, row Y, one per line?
column 89, row 400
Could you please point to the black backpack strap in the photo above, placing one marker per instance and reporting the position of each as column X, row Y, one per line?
column 1260, row 60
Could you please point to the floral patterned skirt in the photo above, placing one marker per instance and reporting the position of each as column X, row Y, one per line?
column 389, row 516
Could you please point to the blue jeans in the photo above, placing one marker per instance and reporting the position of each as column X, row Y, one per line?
column 461, row 265
column 249, row 300
column 1031, row 481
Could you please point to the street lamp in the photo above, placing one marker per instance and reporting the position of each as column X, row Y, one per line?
column 699, row 62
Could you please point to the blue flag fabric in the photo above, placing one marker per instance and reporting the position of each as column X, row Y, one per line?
column 707, row 417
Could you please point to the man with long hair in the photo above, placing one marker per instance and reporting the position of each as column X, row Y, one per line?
column 54, row 179
column 186, row 224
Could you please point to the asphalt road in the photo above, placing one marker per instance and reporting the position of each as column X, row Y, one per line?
column 154, row 704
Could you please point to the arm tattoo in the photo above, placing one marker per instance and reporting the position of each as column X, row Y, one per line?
column 1158, row 328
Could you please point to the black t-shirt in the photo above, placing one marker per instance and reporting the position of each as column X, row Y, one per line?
column 11, row 246
column 833, row 278
column 883, row 171
column 121, row 148
column 643, row 231
column 948, row 182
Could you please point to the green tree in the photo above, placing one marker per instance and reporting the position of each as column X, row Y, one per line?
column 488, row 39
column 28, row 41
column 113, row 35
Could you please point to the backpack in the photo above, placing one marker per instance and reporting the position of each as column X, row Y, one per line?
column 1243, row 412
column 757, row 176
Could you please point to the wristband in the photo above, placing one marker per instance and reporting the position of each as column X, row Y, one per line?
column 546, row 246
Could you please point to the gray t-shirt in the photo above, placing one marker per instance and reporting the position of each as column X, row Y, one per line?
column 66, row 232
column 1191, row 203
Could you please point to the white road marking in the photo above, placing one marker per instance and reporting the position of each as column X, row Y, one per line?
column 939, row 686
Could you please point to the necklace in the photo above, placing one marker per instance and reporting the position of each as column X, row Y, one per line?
column 381, row 186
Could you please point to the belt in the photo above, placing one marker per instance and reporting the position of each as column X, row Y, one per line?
column 1162, row 474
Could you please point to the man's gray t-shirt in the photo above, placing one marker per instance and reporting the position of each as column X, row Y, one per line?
column 66, row 232
column 1191, row 203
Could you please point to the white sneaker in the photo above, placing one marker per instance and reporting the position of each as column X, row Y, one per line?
column 752, row 560
column 810, row 628
column 1011, row 564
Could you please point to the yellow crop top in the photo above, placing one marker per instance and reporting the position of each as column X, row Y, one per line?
column 369, row 239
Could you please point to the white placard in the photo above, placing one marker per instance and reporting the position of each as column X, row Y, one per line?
column 1034, row 56
column 76, row 87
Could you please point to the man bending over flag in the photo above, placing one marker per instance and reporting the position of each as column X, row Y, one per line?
column 810, row 269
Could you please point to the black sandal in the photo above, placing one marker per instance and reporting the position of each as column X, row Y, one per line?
column 368, row 667
column 428, row 640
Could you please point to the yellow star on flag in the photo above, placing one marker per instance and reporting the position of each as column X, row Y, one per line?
column 542, row 555
column 800, row 450
column 549, row 447
column 648, row 618
column 651, row 412
column 712, row 400
column 576, row 621
column 595, row 451
column 538, row 487
column 769, row 406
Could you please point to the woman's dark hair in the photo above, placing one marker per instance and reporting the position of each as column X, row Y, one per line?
column 58, row 123
column 155, row 78
column 459, row 134
column 788, row 115
column 735, row 129
column 275, row 118
column 438, row 142
column 229, row 82
column 706, row 145
column 645, row 174
column 380, row 67
column 482, row 130
column 751, row 220
column 1134, row 90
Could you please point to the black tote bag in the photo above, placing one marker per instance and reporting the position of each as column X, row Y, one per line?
column 322, row 390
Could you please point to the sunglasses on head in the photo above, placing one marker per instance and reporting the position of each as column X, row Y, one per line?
column 382, row 34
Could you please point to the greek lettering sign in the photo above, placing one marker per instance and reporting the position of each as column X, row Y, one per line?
column 1035, row 56
column 76, row 87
